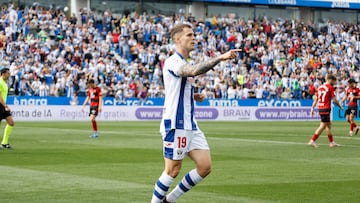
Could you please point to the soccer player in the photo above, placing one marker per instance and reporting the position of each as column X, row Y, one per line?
column 5, row 112
column 324, row 95
column 352, row 94
column 179, row 129
column 95, row 97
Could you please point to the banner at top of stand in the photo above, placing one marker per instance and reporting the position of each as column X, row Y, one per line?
column 111, row 101
column 350, row 4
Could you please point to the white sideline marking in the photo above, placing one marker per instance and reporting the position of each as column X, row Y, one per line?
column 209, row 138
column 276, row 142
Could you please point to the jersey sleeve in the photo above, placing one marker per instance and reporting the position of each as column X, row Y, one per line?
column 1, row 88
column 173, row 65
column 332, row 92
column 99, row 91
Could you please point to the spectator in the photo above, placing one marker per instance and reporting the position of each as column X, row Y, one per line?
column 35, row 86
column 24, row 87
column 142, row 94
column 296, row 88
column 286, row 94
column 259, row 92
column 55, row 49
column 217, row 91
column 245, row 93
column 311, row 90
column 231, row 92
column 239, row 92
column 44, row 89
column 266, row 93
column 74, row 100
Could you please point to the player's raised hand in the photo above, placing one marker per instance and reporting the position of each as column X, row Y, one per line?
column 232, row 54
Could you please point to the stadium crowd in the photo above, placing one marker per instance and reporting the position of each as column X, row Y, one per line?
column 50, row 54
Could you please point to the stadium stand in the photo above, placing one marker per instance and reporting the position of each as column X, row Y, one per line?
column 50, row 54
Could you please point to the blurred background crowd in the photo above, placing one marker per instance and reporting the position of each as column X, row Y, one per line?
column 52, row 54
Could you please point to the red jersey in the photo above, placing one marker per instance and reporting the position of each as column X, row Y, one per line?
column 94, row 94
column 324, row 94
column 351, row 92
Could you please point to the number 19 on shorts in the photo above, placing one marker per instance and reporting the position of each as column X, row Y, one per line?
column 181, row 142
column 180, row 145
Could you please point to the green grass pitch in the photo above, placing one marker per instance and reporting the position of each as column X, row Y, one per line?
column 252, row 162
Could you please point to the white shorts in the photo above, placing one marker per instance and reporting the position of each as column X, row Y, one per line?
column 177, row 143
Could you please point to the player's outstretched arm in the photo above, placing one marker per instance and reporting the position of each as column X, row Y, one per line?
column 338, row 103
column 343, row 99
column 353, row 97
column 193, row 70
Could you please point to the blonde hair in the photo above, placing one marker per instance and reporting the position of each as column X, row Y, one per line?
column 178, row 29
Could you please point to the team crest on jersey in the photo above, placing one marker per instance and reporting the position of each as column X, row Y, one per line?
column 93, row 95
column 179, row 152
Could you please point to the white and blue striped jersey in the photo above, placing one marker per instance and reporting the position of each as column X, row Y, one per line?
column 178, row 112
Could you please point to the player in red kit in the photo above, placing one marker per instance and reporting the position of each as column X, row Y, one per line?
column 95, row 97
column 352, row 94
column 324, row 95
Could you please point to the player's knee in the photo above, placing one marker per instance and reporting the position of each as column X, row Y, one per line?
column 204, row 170
column 174, row 172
